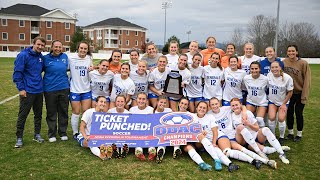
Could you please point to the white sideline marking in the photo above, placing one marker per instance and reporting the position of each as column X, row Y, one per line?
column 8, row 99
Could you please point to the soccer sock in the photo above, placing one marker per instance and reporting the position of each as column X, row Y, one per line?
column 269, row 150
column 224, row 159
column 95, row 151
column 253, row 155
column 75, row 123
column 209, row 148
column 175, row 148
column 272, row 126
column 247, row 136
column 272, row 139
column 299, row 133
column 161, row 147
column 260, row 122
column 235, row 154
column 195, row 156
column 282, row 128
column 290, row 131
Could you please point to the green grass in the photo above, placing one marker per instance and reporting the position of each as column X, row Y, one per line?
column 66, row 160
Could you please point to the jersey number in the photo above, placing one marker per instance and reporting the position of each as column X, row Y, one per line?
column 223, row 125
column 213, row 82
column 101, row 88
column 254, row 93
column 274, row 91
column 233, row 84
column 141, row 88
column 83, row 72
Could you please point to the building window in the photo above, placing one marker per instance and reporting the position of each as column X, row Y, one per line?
column 67, row 49
column 49, row 24
column 120, row 32
column 21, row 48
column 21, row 36
column 4, row 48
column 91, row 34
column 137, row 43
column 136, row 33
column 4, row 36
column 4, row 22
column 67, row 38
column 127, row 32
column 49, row 37
column 21, row 23
column 127, row 42
column 120, row 42
column 99, row 33
column 67, row 25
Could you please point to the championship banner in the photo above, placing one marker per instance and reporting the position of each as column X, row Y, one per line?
column 143, row 130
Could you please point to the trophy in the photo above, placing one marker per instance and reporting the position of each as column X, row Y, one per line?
column 172, row 86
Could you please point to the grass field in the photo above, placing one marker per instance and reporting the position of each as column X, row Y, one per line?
column 66, row 160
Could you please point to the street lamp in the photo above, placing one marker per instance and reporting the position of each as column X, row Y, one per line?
column 165, row 6
column 188, row 32
column 277, row 30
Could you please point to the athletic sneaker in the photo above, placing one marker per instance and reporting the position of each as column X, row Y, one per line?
column 233, row 167
column 52, row 139
column 160, row 154
column 281, row 140
column 177, row 153
column 19, row 143
column 115, row 150
column 290, row 136
column 109, row 152
column 64, row 138
column 152, row 154
column 75, row 136
column 217, row 165
column 124, row 150
column 285, row 148
column 38, row 138
column 297, row 139
column 284, row 158
column 103, row 151
column 139, row 154
column 272, row 163
column 263, row 155
column 256, row 163
column 205, row 167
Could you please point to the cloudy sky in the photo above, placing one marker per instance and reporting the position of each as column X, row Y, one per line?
column 202, row 17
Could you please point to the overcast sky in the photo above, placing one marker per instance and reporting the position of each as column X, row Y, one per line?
column 202, row 17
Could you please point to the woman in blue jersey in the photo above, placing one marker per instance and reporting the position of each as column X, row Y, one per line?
column 56, row 91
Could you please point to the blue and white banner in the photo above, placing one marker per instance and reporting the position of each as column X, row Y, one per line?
column 143, row 130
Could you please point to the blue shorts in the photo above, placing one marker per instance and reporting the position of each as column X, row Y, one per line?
column 255, row 105
column 80, row 96
column 107, row 98
column 276, row 105
column 227, row 103
column 197, row 99
column 244, row 94
column 80, row 139
column 152, row 95
column 173, row 99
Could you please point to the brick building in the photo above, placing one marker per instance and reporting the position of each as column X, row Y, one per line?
column 21, row 23
column 115, row 33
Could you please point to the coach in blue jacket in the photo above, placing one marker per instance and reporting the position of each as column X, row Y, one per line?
column 28, row 67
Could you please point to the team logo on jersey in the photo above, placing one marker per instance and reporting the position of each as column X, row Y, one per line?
column 64, row 60
column 40, row 60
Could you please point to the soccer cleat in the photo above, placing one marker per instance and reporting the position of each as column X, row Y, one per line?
column 217, row 165
column 64, row 138
column 205, row 167
column 284, row 158
column 52, row 139
column 75, row 136
column 256, row 163
column 177, row 152
column 285, row 148
column 38, row 138
column 281, row 140
column 263, row 155
column 19, row 143
column 115, row 150
column 152, row 154
column 272, row 163
column 160, row 154
column 290, row 136
column 103, row 151
column 124, row 150
column 139, row 154
column 109, row 151
column 297, row 139
column 233, row 167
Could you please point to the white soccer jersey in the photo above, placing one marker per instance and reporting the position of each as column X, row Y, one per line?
column 114, row 110
column 245, row 62
column 278, row 88
column 165, row 110
column 136, row 110
column 207, row 123
column 224, row 121
column 140, row 82
column 194, row 88
column 232, row 84
column 190, row 59
column 87, row 118
column 172, row 60
column 157, row 78
column 256, row 90
column 133, row 67
column 100, row 83
column 79, row 73
column 237, row 119
column 121, row 86
column 212, row 82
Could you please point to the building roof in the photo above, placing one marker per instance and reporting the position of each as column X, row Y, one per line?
column 24, row 9
column 114, row 22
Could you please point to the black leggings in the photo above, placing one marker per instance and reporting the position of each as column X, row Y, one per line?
column 295, row 106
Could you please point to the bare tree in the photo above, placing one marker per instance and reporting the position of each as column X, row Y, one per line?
column 238, row 39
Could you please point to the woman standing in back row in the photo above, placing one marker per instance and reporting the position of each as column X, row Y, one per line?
column 300, row 72
column 211, row 48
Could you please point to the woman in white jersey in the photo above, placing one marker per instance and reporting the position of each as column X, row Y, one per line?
column 233, row 80
column 143, row 108
column 140, row 79
column 227, row 137
column 80, row 90
column 280, row 92
column 157, row 80
column 100, row 82
column 122, row 84
column 134, row 60
column 151, row 56
column 193, row 49
column 194, row 88
column 256, row 85
column 248, row 131
column 213, row 75
column 182, row 67
column 173, row 54
column 248, row 57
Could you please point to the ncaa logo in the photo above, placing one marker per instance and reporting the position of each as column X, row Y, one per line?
column 176, row 118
